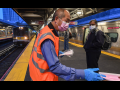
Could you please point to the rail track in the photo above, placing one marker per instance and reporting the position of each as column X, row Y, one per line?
column 9, row 58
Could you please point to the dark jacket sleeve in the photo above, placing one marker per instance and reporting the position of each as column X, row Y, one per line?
column 100, row 40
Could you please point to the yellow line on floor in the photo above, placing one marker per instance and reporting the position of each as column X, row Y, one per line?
column 18, row 72
column 4, row 37
column 110, row 54
column 103, row 52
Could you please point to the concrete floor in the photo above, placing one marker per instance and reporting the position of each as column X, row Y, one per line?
column 78, row 60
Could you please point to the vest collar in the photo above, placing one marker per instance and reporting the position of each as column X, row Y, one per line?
column 52, row 27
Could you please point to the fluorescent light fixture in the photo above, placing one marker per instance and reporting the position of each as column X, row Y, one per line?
column 32, row 22
column 9, row 26
column 74, row 15
column 49, row 19
column 34, row 26
column 79, row 12
column 31, row 15
column 2, row 29
column 101, row 23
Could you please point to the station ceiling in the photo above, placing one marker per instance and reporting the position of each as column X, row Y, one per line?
column 44, row 14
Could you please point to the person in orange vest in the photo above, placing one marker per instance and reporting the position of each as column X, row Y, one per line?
column 44, row 64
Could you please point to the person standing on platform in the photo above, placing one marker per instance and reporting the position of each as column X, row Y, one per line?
column 93, row 45
column 66, row 40
column 44, row 64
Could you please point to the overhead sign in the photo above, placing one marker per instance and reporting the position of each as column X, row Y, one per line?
column 113, row 27
column 73, row 23
column 40, row 22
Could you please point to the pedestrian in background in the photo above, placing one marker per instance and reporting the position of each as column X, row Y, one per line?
column 93, row 45
column 66, row 40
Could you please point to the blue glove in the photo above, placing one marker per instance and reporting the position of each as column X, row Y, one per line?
column 90, row 75
column 60, row 52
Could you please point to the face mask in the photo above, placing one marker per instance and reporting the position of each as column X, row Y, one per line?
column 92, row 27
column 64, row 26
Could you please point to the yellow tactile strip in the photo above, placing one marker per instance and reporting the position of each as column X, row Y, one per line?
column 113, row 49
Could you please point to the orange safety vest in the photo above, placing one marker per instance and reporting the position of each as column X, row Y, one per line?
column 38, row 67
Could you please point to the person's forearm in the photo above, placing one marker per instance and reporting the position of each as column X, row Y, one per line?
column 56, row 67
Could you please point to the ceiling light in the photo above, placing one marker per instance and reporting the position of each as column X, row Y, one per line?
column 101, row 23
column 32, row 22
column 9, row 26
column 49, row 19
column 79, row 12
column 34, row 26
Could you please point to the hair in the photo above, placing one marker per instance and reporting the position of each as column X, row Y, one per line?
column 94, row 21
column 59, row 13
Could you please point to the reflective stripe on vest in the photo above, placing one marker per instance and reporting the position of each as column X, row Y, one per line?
column 49, row 33
column 39, row 55
column 36, row 65
column 40, row 69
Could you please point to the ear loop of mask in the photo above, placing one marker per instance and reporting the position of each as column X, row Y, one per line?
column 56, row 23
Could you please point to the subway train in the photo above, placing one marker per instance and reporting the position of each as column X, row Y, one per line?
column 22, row 35
column 111, row 28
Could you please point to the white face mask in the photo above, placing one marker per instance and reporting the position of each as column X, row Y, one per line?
column 92, row 27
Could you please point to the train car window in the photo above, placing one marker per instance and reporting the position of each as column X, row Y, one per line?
column 15, row 32
column 25, row 31
column 2, row 33
column 86, row 32
column 74, row 35
column 113, row 36
column 18, row 32
column 62, row 34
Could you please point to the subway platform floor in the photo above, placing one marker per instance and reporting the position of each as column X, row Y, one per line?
column 78, row 60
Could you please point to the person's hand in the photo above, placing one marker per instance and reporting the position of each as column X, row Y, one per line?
column 60, row 52
column 90, row 75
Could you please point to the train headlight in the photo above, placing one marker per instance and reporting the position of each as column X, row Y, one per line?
column 26, row 38
column 16, row 38
column 20, row 28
